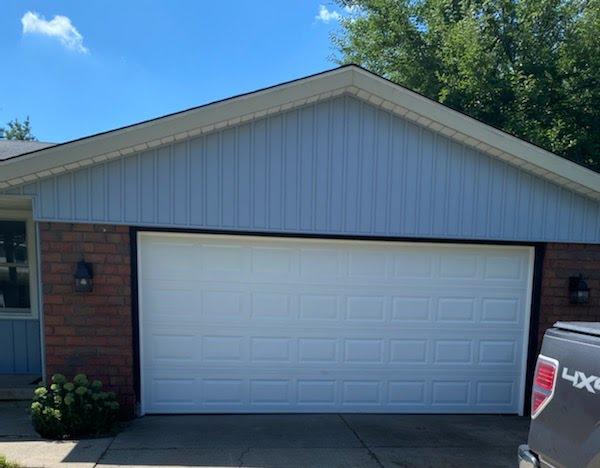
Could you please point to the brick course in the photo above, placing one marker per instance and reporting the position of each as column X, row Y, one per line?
column 89, row 332
column 560, row 262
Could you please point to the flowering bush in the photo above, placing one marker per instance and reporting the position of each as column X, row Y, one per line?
column 73, row 409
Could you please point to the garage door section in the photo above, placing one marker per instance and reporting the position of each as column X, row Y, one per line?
column 264, row 324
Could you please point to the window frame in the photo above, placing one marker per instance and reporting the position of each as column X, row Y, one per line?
column 15, row 313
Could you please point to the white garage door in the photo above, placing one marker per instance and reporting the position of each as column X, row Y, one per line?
column 263, row 324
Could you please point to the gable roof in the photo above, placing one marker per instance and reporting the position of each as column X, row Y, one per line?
column 12, row 148
column 349, row 79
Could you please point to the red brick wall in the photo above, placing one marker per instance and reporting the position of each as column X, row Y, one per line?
column 560, row 262
column 89, row 332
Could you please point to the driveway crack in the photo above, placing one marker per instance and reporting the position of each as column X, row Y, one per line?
column 104, row 452
column 362, row 442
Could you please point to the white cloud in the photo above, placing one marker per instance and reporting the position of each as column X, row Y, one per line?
column 59, row 27
column 326, row 15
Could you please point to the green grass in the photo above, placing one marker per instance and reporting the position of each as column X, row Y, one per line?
column 6, row 464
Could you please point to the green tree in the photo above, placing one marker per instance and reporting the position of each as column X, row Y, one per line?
column 17, row 130
column 529, row 67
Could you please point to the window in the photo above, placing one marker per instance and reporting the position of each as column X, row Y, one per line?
column 16, row 269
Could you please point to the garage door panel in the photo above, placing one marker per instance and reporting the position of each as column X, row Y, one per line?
column 242, row 324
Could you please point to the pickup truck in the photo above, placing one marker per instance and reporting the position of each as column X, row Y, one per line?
column 565, row 401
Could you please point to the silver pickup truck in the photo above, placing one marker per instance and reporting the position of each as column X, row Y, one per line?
column 565, row 401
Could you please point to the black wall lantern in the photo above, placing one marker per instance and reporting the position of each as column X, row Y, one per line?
column 83, row 277
column 579, row 292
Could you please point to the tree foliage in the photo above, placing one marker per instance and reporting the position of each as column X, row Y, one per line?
column 17, row 130
column 529, row 67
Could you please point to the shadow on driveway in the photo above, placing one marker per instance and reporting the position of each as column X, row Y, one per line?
column 315, row 440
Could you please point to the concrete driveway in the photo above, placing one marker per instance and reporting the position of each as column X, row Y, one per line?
column 332, row 440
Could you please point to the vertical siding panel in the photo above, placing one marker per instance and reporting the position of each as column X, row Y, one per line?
column 7, row 362
column 34, row 356
column 213, row 180
column 337, row 163
column 577, row 224
column 306, row 194
column 353, row 130
column 65, row 196
column 47, row 197
column 229, row 170
column 510, row 198
column 550, row 225
column 455, row 185
column 495, row 202
column 244, row 176
column 130, row 189
column 482, row 214
column 469, row 191
column 259, row 172
column 275, row 171
column 98, row 193
column 81, row 184
column 398, row 176
column 366, row 169
column 523, row 216
column 180, row 189
column 197, row 183
column 163, row 185
column 321, row 167
column 425, row 183
column 114, row 174
column 564, row 214
column 381, row 177
column 536, row 216
column 20, row 346
column 590, row 220
column 413, row 138
column 439, row 181
column 291, row 180
column 147, row 186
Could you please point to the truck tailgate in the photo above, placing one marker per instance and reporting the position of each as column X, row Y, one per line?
column 566, row 433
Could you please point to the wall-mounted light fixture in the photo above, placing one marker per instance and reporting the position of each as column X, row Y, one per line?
column 579, row 292
column 83, row 277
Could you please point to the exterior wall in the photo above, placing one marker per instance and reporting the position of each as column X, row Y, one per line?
column 89, row 332
column 20, row 346
column 340, row 167
column 560, row 262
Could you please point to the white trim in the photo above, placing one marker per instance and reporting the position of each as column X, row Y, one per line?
column 27, row 217
column 40, row 302
column 529, row 294
column 527, row 325
column 349, row 79
column 140, row 321
column 547, row 400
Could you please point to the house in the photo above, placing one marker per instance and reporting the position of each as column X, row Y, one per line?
column 334, row 243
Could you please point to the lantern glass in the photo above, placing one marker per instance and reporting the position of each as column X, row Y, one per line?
column 579, row 292
column 83, row 277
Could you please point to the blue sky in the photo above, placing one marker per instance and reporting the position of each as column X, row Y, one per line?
column 104, row 64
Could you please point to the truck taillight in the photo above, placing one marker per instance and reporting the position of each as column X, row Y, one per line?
column 544, row 382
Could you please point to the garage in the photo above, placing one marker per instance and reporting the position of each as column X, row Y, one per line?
column 247, row 324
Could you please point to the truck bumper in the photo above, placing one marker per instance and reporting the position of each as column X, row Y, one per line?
column 527, row 458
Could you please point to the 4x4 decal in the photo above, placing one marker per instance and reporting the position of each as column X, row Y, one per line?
column 580, row 380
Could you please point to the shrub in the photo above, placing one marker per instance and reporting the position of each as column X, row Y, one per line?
column 7, row 464
column 73, row 409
